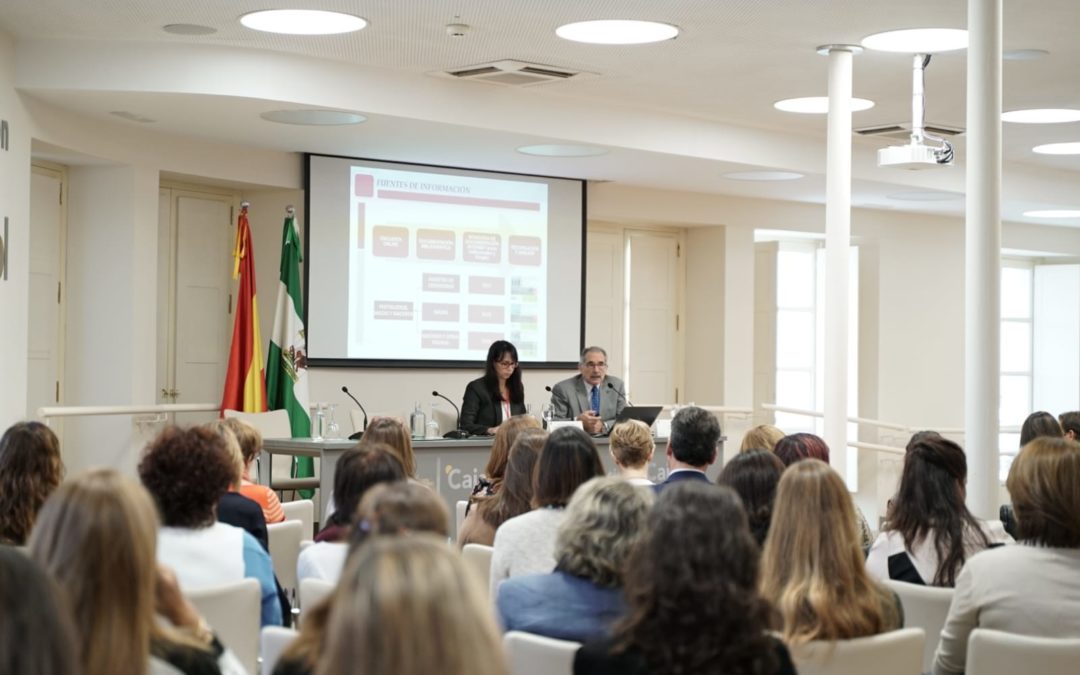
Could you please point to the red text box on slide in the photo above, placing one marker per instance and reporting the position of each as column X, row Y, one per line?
column 435, row 245
column 390, row 242
column 487, row 285
column 440, row 311
column 439, row 339
column 481, row 341
column 487, row 314
column 393, row 310
column 364, row 185
column 525, row 250
column 442, row 283
column 481, row 247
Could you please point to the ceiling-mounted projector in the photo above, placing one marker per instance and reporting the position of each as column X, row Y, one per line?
column 917, row 154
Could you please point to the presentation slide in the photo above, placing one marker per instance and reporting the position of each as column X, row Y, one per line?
column 427, row 264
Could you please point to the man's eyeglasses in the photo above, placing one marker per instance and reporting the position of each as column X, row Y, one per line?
column 593, row 364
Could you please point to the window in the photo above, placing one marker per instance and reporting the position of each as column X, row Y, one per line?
column 1015, row 403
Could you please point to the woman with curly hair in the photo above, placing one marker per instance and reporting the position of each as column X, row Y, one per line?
column 583, row 596
column 813, row 569
column 691, row 593
column 928, row 531
column 754, row 475
column 513, row 498
column 187, row 471
column 30, row 469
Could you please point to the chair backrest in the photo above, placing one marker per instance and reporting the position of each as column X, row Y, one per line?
column 233, row 610
column 530, row 654
column 272, row 424
column 460, row 507
column 304, row 511
column 478, row 558
column 284, row 539
column 898, row 652
column 992, row 652
column 924, row 607
column 272, row 642
column 312, row 592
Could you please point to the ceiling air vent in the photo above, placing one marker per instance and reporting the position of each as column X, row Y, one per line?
column 509, row 73
column 902, row 131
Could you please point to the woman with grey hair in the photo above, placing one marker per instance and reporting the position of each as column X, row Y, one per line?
column 583, row 596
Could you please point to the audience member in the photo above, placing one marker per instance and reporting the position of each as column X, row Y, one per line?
column 526, row 544
column 358, row 470
column 1032, row 588
column 691, row 592
column 400, row 508
column 505, row 435
column 813, row 569
column 928, row 531
column 797, row 447
column 692, row 445
column 408, row 606
column 36, row 632
column 583, row 596
column 234, row 508
column 250, row 441
column 514, row 496
column 632, row 447
column 96, row 537
column 1070, row 424
column 761, row 437
column 187, row 471
column 30, row 469
column 1038, row 424
column 754, row 475
column 391, row 432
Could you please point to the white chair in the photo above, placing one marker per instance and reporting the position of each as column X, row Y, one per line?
column 460, row 508
column 234, row 612
column 275, row 424
column 898, row 652
column 530, row 654
column 478, row 558
column 284, row 539
column 924, row 607
column 992, row 652
column 304, row 511
column 272, row 642
column 312, row 592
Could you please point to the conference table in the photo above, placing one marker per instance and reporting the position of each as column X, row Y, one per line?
column 451, row 467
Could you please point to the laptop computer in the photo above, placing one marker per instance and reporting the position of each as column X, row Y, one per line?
column 643, row 413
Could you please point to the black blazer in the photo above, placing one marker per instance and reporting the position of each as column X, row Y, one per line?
column 679, row 477
column 236, row 509
column 480, row 412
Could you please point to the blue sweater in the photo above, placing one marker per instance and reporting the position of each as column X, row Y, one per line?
column 559, row 605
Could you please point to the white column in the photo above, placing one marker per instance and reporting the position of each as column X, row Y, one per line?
column 837, row 241
column 982, row 255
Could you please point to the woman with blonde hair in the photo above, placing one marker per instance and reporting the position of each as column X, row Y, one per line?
column 397, row 588
column 30, row 469
column 513, row 498
column 632, row 447
column 97, row 537
column 505, row 435
column 761, row 437
column 250, row 441
column 813, row 570
column 393, row 433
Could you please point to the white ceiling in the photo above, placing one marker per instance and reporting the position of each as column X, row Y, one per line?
column 674, row 115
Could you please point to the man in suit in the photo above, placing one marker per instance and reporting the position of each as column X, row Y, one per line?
column 692, row 446
column 593, row 397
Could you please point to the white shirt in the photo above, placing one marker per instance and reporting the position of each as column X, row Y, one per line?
column 208, row 556
column 924, row 557
column 525, row 544
column 322, row 560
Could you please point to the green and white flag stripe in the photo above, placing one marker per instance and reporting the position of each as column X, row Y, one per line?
column 286, row 363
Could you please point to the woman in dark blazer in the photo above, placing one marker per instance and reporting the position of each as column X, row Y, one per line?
column 498, row 395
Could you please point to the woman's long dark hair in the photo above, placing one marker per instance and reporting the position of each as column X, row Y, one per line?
column 754, row 476
column 691, row 588
column 931, row 502
column 497, row 351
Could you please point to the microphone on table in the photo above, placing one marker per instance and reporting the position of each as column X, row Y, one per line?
column 356, row 436
column 458, row 432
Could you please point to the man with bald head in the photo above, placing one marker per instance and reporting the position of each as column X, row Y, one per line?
column 592, row 396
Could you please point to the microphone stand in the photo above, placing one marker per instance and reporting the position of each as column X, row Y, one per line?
column 356, row 435
column 458, row 433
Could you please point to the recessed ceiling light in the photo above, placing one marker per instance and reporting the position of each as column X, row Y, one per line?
column 1041, row 116
column 617, row 32
column 918, row 40
column 317, row 118
column 1024, row 54
column 302, row 22
column 818, row 104
column 1072, row 148
column 925, row 196
column 1054, row 213
column 763, row 175
column 188, row 29
column 562, row 150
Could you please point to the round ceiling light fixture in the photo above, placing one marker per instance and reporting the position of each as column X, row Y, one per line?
column 617, row 32
column 562, row 150
column 1072, row 148
column 818, row 105
column 302, row 22
column 1041, row 116
column 918, row 40
column 313, row 118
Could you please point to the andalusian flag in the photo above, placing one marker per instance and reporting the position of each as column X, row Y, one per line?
column 286, row 364
column 245, row 386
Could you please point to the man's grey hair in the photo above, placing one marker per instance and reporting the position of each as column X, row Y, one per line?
column 588, row 350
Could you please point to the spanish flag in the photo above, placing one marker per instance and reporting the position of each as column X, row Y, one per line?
column 245, row 383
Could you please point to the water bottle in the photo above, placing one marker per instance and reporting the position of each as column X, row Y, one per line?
column 418, row 422
column 433, row 424
column 318, row 419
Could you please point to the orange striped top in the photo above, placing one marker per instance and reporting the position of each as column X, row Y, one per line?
column 266, row 498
